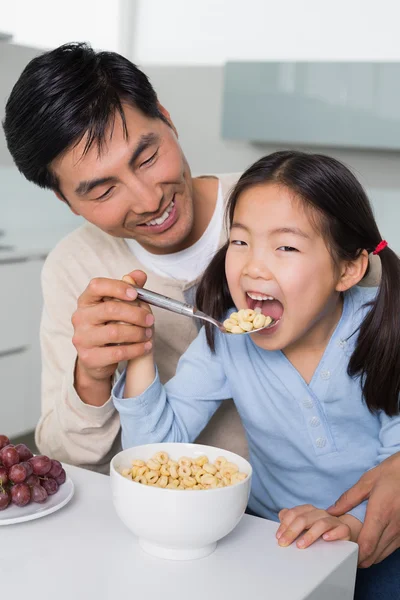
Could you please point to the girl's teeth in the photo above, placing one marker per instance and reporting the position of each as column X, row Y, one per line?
column 163, row 217
column 260, row 297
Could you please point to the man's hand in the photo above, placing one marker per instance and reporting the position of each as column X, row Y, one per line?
column 380, row 534
column 317, row 522
column 106, row 332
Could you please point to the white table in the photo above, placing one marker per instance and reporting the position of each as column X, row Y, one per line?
column 84, row 551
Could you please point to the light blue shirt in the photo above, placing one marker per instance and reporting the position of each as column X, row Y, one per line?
column 308, row 443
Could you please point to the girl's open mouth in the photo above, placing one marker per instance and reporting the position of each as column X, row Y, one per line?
column 269, row 306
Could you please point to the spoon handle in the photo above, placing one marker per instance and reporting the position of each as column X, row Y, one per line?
column 164, row 302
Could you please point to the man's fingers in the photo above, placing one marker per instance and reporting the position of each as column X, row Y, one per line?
column 372, row 541
column 378, row 556
column 98, row 358
column 139, row 277
column 111, row 334
column 111, row 311
column 354, row 496
column 101, row 287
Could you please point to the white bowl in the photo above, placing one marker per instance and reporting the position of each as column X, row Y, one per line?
column 178, row 524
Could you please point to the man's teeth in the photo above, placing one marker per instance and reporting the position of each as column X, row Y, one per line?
column 163, row 217
column 260, row 297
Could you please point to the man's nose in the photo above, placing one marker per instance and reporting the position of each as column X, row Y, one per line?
column 144, row 198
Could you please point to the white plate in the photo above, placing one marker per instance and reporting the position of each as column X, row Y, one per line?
column 19, row 514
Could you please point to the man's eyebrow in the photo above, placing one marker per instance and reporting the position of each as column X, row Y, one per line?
column 87, row 186
column 146, row 140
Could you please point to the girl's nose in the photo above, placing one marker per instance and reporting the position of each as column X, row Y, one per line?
column 257, row 268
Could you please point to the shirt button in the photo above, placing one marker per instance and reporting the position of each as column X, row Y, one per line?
column 320, row 442
column 307, row 402
column 325, row 374
column 342, row 343
column 314, row 422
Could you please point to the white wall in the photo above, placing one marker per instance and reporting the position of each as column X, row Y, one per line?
column 213, row 31
column 47, row 23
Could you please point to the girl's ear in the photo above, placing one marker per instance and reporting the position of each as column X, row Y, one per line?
column 352, row 271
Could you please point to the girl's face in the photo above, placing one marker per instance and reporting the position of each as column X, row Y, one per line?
column 278, row 261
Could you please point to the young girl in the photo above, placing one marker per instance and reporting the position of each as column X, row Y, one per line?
column 318, row 393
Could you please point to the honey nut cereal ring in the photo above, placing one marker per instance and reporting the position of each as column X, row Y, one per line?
column 184, row 471
column 141, row 479
column 221, row 460
column 162, row 457
column 153, row 465
column 185, row 462
column 152, row 476
column 162, row 481
column 209, row 468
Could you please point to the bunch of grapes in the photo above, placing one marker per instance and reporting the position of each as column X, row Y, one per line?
column 26, row 478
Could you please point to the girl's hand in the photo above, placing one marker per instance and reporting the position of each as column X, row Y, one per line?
column 317, row 522
column 140, row 371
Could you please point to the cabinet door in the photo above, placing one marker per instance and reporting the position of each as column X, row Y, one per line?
column 14, row 374
column 20, row 364
column 15, row 298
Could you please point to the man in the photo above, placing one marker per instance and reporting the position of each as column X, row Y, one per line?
column 89, row 126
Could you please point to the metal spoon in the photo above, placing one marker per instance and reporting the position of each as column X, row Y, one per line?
column 185, row 309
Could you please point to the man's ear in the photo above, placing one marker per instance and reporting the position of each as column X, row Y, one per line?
column 61, row 197
column 352, row 271
column 167, row 116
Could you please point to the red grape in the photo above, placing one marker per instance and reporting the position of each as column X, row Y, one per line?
column 61, row 478
column 33, row 480
column 5, row 499
column 4, row 441
column 18, row 473
column 39, row 494
column 20, row 494
column 26, row 478
column 41, row 464
column 23, row 452
column 50, row 485
column 56, row 468
column 3, row 476
column 28, row 467
column 9, row 456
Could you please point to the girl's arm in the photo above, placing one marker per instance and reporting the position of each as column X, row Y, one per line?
column 178, row 411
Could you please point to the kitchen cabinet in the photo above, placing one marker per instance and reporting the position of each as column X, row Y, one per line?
column 20, row 365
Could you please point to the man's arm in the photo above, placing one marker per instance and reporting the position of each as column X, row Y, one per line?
column 79, row 424
column 380, row 534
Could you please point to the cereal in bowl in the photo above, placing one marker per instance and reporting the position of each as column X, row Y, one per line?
column 185, row 473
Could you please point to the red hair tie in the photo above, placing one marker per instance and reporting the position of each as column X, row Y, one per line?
column 382, row 244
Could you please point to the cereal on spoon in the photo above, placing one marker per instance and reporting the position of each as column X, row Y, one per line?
column 246, row 320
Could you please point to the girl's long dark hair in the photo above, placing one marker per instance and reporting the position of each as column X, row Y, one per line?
column 347, row 223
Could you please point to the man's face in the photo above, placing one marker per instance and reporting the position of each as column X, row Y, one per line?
column 137, row 187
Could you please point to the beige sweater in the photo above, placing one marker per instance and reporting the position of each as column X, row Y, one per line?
column 70, row 430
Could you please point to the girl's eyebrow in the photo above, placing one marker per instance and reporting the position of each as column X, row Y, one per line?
column 292, row 230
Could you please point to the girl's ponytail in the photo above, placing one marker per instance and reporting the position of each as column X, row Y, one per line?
column 376, row 357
